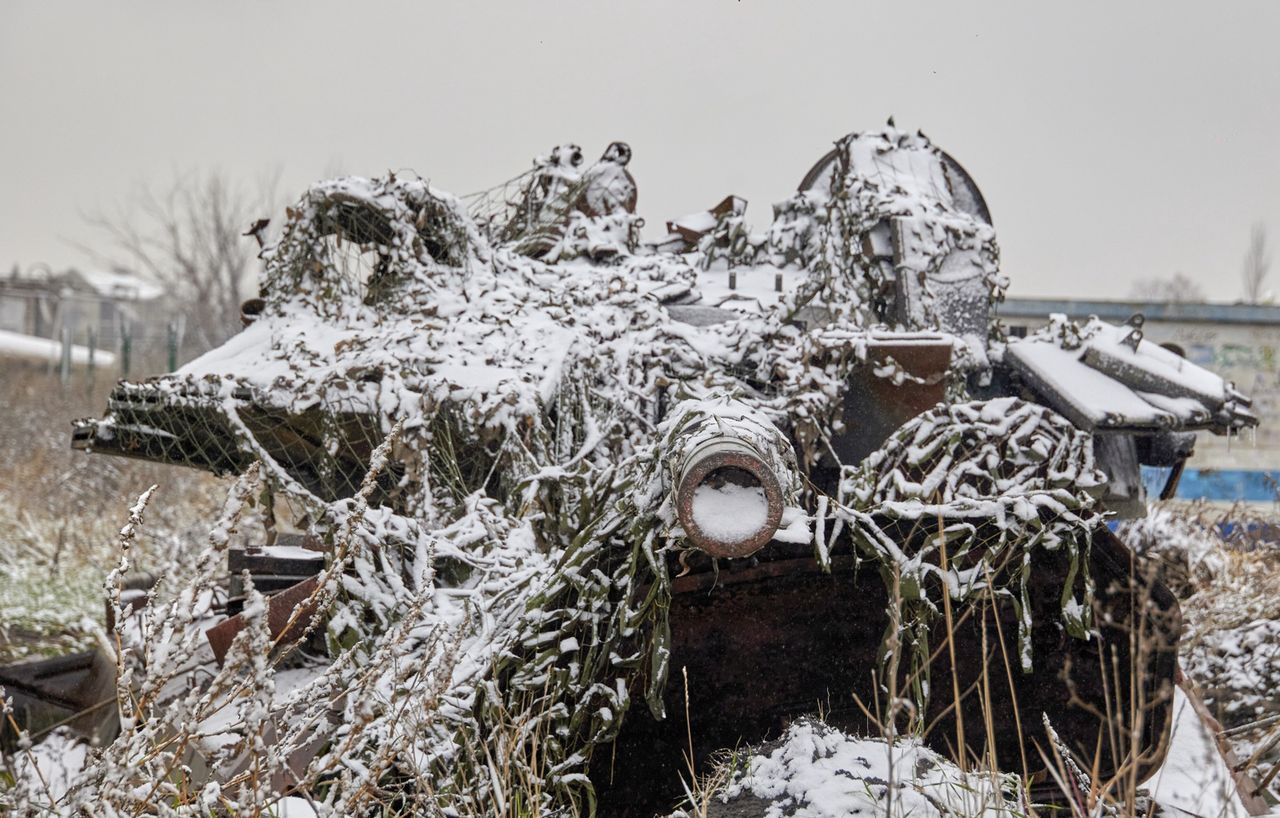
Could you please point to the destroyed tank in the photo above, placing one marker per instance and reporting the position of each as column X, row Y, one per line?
column 695, row 487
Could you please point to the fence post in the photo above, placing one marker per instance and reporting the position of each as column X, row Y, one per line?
column 173, row 346
column 93, row 352
column 126, row 348
column 64, row 364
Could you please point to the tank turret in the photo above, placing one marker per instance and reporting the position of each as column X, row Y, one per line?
column 772, row 460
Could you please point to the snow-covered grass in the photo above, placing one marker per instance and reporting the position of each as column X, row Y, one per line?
column 816, row 771
column 1224, row 563
column 812, row 770
column 60, row 512
column 486, row 630
column 256, row 737
column 60, row 532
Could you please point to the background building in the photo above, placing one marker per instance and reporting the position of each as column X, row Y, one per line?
column 46, row 314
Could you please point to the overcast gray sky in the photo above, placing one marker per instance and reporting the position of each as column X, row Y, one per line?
column 1113, row 141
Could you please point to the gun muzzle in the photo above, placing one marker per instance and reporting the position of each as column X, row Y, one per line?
column 728, row 499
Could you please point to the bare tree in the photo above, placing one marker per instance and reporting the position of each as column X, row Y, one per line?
column 1179, row 289
column 191, row 238
column 1256, row 264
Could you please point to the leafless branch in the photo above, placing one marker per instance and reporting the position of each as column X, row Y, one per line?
column 1177, row 289
column 189, row 237
column 1256, row 264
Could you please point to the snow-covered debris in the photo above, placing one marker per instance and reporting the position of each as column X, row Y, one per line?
column 690, row 229
column 816, row 771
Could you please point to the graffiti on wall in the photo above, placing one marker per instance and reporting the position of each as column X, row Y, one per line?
column 1249, row 356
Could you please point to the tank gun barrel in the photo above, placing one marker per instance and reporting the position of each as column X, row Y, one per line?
column 732, row 480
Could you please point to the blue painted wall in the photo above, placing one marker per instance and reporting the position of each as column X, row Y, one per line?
column 1217, row 484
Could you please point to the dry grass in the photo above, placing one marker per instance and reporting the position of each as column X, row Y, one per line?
column 60, row 514
column 1231, row 643
column 61, row 510
column 1226, row 584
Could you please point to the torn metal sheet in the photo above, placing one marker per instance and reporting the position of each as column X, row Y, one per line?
column 289, row 616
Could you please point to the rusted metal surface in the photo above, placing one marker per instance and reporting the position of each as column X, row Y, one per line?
column 717, row 461
column 269, row 565
column 691, row 234
column 739, row 573
column 133, row 598
column 250, row 310
column 289, row 615
column 271, row 570
column 782, row 640
column 776, row 638
column 875, row 406
column 77, row 690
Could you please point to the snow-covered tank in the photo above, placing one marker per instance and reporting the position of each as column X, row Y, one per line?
column 800, row 469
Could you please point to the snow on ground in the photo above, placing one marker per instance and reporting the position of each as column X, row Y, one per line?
column 55, row 763
column 1229, row 593
column 294, row 807
column 1194, row 777
column 1241, row 665
column 224, row 726
column 816, row 771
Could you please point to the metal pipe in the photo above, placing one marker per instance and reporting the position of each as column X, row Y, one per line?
column 727, row 465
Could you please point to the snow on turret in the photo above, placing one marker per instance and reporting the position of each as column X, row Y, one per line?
column 538, row 364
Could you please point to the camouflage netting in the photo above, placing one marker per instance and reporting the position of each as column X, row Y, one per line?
column 509, row 576
column 977, row 488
